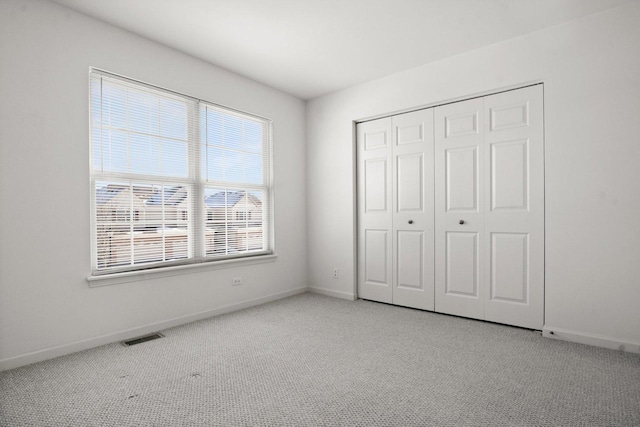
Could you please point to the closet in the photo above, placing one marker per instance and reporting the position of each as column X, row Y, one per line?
column 451, row 208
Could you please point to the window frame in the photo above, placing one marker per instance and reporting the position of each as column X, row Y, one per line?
column 195, row 184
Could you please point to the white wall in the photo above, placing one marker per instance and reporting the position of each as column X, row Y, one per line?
column 591, row 73
column 46, row 305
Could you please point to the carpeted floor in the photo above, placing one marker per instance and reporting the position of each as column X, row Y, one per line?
column 311, row 360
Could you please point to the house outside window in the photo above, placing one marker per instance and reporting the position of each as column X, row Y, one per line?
column 174, row 179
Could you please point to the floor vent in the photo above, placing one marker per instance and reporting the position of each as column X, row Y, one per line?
column 142, row 339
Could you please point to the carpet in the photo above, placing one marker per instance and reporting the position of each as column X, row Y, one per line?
column 312, row 360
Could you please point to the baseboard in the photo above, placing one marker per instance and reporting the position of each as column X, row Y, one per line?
column 590, row 339
column 61, row 350
column 330, row 293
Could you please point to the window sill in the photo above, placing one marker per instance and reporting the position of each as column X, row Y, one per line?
column 156, row 273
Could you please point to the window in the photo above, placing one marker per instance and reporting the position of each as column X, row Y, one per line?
column 174, row 179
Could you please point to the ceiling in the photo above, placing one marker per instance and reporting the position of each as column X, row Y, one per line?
column 312, row 47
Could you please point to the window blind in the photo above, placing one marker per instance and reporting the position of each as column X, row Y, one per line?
column 174, row 179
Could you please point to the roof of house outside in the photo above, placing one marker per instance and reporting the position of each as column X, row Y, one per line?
column 172, row 196
column 106, row 193
column 229, row 199
column 149, row 195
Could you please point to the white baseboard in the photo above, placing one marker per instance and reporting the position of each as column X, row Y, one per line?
column 330, row 293
column 61, row 350
column 590, row 339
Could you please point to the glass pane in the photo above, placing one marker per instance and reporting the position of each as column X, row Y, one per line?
column 219, row 243
column 113, row 245
column 176, row 242
column 255, row 209
column 173, row 119
column 233, row 134
column 96, row 106
column 254, row 173
column 114, row 106
column 203, row 124
column 253, row 136
column 143, row 112
column 254, row 231
column 233, row 221
column 115, row 151
column 235, row 148
column 233, row 166
column 210, row 242
column 174, row 158
column 114, row 213
column 113, row 202
column 217, row 201
column 255, row 239
column 144, row 154
column 140, row 223
column 214, row 131
column 215, row 164
column 163, row 233
column 148, row 245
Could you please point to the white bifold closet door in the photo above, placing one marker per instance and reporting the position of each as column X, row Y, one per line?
column 489, row 208
column 395, row 210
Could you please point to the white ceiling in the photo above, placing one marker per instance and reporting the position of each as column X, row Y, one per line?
column 312, row 47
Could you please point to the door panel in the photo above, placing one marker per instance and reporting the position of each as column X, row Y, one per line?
column 461, row 181
column 376, row 245
column 509, row 116
column 515, row 221
column 410, row 179
column 376, row 138
column 413, row 209
column 409, row 261
column 375, row 188
column 459, row 209
column 409, row 132
column 461, row 260
column 463, row 123
column 509, row 175
column 374, row 210
column 509, row 267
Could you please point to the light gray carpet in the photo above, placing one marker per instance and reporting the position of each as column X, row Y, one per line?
column 311, row 360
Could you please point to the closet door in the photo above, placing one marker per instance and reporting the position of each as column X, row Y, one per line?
column 413, row 209
column 489, row 187
column 375, row 233
column 514, row 205
column 459, row 209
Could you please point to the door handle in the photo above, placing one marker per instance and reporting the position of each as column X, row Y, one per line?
column 462, row 221
column 410, row 221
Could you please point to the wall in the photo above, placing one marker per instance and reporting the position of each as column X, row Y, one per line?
column 591, row 73
column 46, row 305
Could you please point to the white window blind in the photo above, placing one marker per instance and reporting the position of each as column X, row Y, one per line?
column 174, row 179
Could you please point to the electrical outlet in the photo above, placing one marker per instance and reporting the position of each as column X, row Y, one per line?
column 236, row 281
column 335, row 273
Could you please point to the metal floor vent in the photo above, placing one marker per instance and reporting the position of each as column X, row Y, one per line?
column 142, row 339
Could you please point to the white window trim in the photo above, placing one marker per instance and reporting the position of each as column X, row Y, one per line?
column 106, row 277
column 176, row 270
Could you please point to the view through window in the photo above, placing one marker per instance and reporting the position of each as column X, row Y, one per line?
column 174, row 179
